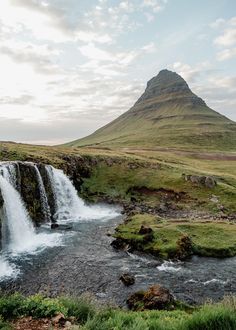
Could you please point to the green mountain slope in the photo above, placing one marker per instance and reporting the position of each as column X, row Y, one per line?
column 168, row 114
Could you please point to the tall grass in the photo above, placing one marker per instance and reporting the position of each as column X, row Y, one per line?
column 89, row 316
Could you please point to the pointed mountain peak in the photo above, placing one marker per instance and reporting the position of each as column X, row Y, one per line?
column 169, row 86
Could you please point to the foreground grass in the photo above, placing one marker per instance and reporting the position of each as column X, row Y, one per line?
column 207, row 238
column 87, row 316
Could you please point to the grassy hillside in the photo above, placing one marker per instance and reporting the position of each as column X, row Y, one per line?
column 144, row 175
column 168, row 114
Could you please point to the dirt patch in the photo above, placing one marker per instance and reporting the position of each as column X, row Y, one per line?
column 161, row 193
column 28, row 323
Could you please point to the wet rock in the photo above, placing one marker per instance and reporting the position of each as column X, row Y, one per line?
column 119, row 244
column 145, row 230
column 127, row 279
column 156, row 297
column 54, row 225
column 184, row 247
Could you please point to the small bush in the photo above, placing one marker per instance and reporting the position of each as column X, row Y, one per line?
column 11, row 306
column 15, row 305
column 38, row 306
column 80, row 308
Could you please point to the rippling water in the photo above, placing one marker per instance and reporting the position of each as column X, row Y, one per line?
column 86, row 262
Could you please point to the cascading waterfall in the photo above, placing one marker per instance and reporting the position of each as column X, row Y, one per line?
column 16, row 218
column 43, row 195
column 69, row 206
column 8, row 171
column 18, row 234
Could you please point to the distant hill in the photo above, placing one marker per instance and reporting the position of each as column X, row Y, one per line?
column 168, row 114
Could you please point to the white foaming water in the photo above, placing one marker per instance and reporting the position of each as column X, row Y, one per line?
column 17, row 225
column 43, row 195
column 214, row 281
column 69, row 206
column 8, row 171
column 169, row 266
column 6, row 270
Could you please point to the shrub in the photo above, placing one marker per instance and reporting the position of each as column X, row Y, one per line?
column 11, row 306
column 38, row 306
column 80, row 308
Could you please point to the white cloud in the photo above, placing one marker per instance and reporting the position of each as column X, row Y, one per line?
column 228, row 38
column 155, row 5
column 188, row 72
column 226, row 54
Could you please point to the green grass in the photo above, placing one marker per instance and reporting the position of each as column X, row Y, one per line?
column 171, row 125
column 119, row 182
column 154, row 169
column 220, row 316
column 213, row 239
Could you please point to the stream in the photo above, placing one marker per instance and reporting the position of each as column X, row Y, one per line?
column 82, row 260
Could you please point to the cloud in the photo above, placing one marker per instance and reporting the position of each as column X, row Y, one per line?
column 38, row 56
column 188, row 72
column 226, row 39
column 217, row 23
column 226, row 54
column 155, row 5
column 20, row 100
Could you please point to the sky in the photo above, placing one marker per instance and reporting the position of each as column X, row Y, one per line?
column 68, row 67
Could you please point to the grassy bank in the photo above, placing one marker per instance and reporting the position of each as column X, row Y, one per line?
column 178, row 239
column 89, row 316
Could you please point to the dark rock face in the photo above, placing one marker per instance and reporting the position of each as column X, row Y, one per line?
column 156, row 297
column 30, row 192
column 169, row 85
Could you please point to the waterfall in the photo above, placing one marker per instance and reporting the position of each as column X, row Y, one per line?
column 69, row 206
column 43, row 195
column 19, row 234
column 16, row 219
column 9, row 172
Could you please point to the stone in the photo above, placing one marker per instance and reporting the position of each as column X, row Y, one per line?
column 54, row 225
column 58, row 319
column 184, row 247
column 214, row 199
column 156, row 297
column 68, row 325
column 119, row 244
column 145, row 230
column 210, row 182
column 127, row 279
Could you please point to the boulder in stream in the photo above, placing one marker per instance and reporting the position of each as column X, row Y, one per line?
column 156, row 297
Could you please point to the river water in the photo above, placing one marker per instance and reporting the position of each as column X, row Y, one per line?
column 84, row 261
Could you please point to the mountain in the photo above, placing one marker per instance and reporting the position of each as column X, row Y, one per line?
column 168, row 114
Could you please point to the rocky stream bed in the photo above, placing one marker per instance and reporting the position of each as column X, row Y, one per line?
column 86, row 262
